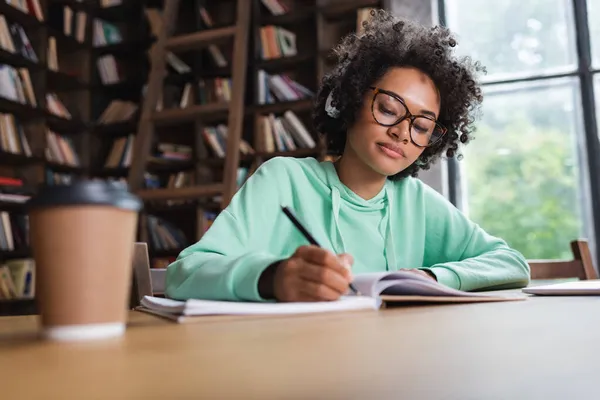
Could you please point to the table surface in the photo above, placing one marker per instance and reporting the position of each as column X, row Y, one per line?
column 544, row 347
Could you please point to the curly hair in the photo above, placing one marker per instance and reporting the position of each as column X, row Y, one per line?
column 388, row 41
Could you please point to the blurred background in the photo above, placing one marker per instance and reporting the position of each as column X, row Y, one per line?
column 75, row 76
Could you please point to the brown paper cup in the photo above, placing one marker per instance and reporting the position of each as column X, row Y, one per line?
column 82, row 243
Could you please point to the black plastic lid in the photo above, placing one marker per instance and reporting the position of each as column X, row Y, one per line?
column 85, row 192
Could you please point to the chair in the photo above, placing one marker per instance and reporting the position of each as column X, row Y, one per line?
column 146, row 281
column 580, row 267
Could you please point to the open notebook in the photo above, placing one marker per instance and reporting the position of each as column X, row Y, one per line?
column 181, row 311
column 375, row 288
column 407, row 287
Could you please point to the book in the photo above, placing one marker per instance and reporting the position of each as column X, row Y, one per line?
column 376, row 290
column 408, row 287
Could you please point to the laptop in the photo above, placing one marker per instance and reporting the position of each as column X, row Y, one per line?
column 577, row 288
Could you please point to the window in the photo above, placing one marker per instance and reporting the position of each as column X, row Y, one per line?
column 521, row 170
column 597, row 90
column 515, row 37
column 526, row 177
column 593, row 8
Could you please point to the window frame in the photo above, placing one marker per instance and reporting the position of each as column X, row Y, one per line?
column 590, row 160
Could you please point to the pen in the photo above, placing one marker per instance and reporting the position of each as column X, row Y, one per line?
column 308, row 236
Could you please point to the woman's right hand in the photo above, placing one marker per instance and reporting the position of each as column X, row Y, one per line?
column 312, row 274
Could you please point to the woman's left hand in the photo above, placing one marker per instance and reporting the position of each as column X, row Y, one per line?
column 425, row 273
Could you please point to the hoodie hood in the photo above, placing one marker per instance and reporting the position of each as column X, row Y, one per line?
column 342, row 196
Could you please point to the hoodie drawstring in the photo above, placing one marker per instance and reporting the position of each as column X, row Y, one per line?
column 336, row 232
column 340, row 246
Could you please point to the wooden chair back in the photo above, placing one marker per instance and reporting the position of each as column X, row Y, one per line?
column 581, row 266
column 142, row 281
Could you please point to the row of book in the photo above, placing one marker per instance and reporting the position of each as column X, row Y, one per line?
column 273, row 88
column 13, row 190
column 184, row 179
column 14, row 39
column 171, row 152
column 14, row 231
column 121, row 152
column 117, row 111
column 17, row 279
column 208, row 91
column 106, row 33
column 177, row 63
column 52, row 54
column 277, row 42
column 283, row 133
column 58, row 178
column 110, row 3
column 108, row 69
column 31, row 7
column 163, row 235
column 61, row 150
column 277, row 7
column 72, row 23
column 216, row 138
column 15, row 85
column 56, row 106
column 214, row 90
column 172, row 181
column 12, row 136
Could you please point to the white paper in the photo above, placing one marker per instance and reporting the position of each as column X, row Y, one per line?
column 210, row 307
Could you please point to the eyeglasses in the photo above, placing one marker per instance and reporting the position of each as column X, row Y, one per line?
column 388, row 110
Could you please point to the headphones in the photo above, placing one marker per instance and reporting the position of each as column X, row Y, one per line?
column 330, row 109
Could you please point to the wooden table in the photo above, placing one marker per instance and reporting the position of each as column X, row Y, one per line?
column 542, row 348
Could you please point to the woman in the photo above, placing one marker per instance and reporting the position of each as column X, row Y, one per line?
column 396, row 102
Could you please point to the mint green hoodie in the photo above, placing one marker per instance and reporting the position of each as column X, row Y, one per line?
column 406, row 225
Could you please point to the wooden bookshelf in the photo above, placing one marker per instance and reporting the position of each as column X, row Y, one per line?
column 45, row 116
column 62, row 147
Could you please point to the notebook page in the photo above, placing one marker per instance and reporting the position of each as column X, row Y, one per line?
column 373, row 283
column 365, row 283
column 402, row 283
column 416, row 287
column 210, row 307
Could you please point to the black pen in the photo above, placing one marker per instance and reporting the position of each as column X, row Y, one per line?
column 308, row 236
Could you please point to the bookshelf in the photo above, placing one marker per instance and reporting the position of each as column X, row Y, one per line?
column 49, row 117
column 44, row 118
